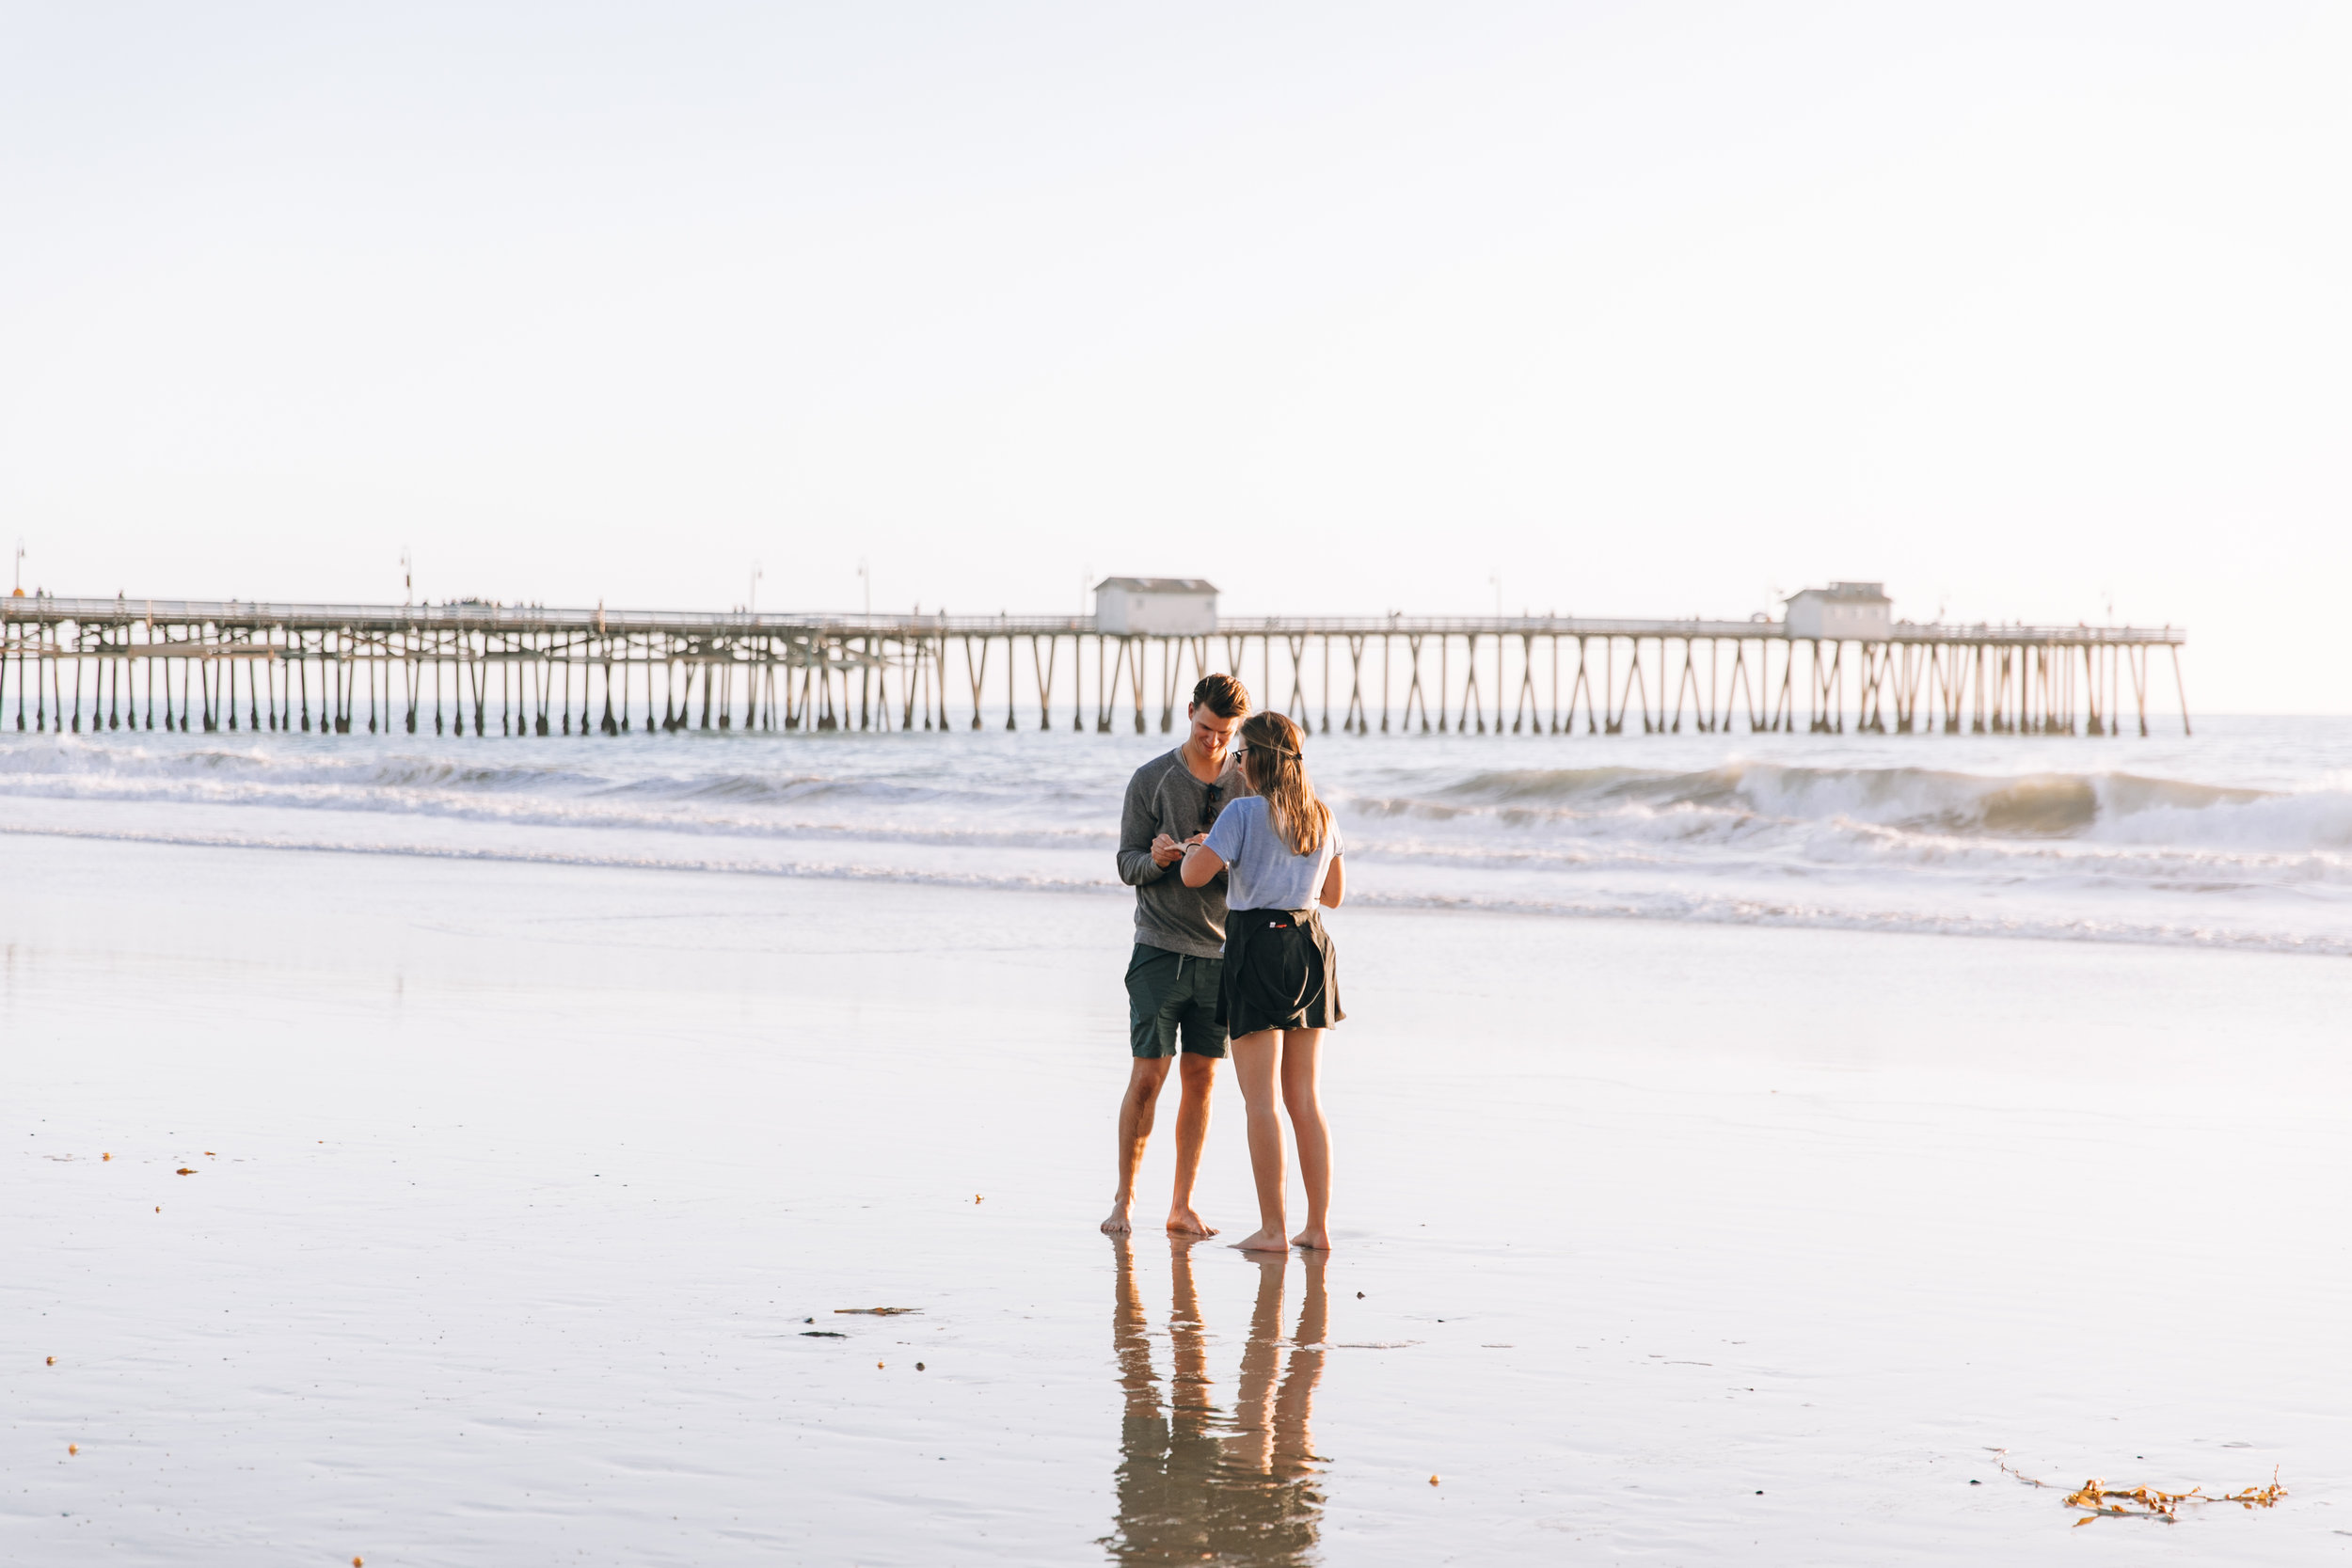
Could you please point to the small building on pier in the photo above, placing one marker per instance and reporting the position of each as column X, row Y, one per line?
column 1843, row 612
column 1155, row 607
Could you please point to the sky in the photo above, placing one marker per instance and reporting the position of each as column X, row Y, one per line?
column 2031, row 312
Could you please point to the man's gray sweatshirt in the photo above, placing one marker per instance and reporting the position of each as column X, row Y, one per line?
column 1165, row 797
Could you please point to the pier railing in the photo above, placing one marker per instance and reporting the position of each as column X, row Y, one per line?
column 502, row 617
column 212, row 664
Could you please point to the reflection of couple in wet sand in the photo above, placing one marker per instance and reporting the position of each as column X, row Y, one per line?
column 1233, row 859
column 1195, row 1481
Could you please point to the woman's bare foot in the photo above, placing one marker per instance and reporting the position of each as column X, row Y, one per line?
column 1315, row 1238
column 1117, row 1224
column 1263, row 1240
column 1182, row 1221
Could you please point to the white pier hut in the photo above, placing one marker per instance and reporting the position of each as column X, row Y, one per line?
column 1843, row 612
column 1155, row 607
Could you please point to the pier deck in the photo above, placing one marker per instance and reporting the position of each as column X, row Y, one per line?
column 526, row 670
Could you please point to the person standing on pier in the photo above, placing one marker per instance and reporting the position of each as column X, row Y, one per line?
column 1176, row 972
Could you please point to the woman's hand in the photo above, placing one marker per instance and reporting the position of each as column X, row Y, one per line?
column 1334, row 884
column 1201, row 863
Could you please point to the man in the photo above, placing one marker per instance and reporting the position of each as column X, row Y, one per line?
column 1173, row 977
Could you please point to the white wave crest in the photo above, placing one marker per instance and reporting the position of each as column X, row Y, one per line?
column 1820, row 833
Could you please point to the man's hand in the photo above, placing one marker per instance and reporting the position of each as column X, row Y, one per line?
column 1166, row 851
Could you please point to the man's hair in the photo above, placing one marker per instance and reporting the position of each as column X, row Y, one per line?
column 1222, row 695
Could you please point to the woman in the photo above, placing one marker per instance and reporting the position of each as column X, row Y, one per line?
column 1281, row 985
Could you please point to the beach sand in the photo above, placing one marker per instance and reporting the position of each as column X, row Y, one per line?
column 525, row 1199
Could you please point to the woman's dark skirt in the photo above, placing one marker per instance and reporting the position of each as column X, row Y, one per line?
column 1281, row 973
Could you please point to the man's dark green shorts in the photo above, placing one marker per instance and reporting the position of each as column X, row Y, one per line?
column 1172, row 996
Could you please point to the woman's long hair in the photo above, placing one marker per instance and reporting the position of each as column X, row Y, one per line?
column 1275, row 770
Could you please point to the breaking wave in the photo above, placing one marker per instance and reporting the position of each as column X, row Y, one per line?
column 2121, row 806
column 2241, row 840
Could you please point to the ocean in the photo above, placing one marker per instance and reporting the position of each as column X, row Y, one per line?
column 2239, row 836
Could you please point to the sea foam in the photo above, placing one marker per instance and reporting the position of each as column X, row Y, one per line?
column 2239, row 837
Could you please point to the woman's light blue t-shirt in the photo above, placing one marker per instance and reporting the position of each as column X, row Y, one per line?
column 1262, row 872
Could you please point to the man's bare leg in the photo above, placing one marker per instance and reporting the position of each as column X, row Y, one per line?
column 1197, row 1076
column 1256, row 1060
column 1189, row 1402
column 1136, row 1109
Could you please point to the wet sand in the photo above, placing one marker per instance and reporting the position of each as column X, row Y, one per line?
column 525, row 1200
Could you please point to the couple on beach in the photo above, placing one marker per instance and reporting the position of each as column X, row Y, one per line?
column 1233, row 859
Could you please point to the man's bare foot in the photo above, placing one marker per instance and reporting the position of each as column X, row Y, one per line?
column 1117, row 1224
column 1315, row 1238
column 1182, row 1221
column 1263, row 1240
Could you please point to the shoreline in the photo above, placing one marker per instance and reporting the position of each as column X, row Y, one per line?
column 1727, row 911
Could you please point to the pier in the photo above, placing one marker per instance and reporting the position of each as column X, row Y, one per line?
column 485, row 668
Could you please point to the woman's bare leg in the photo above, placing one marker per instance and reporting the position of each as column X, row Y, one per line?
column 1302, row 1092
column 1255, row 1067
column 1251, row 1446
column 1294, row 1443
